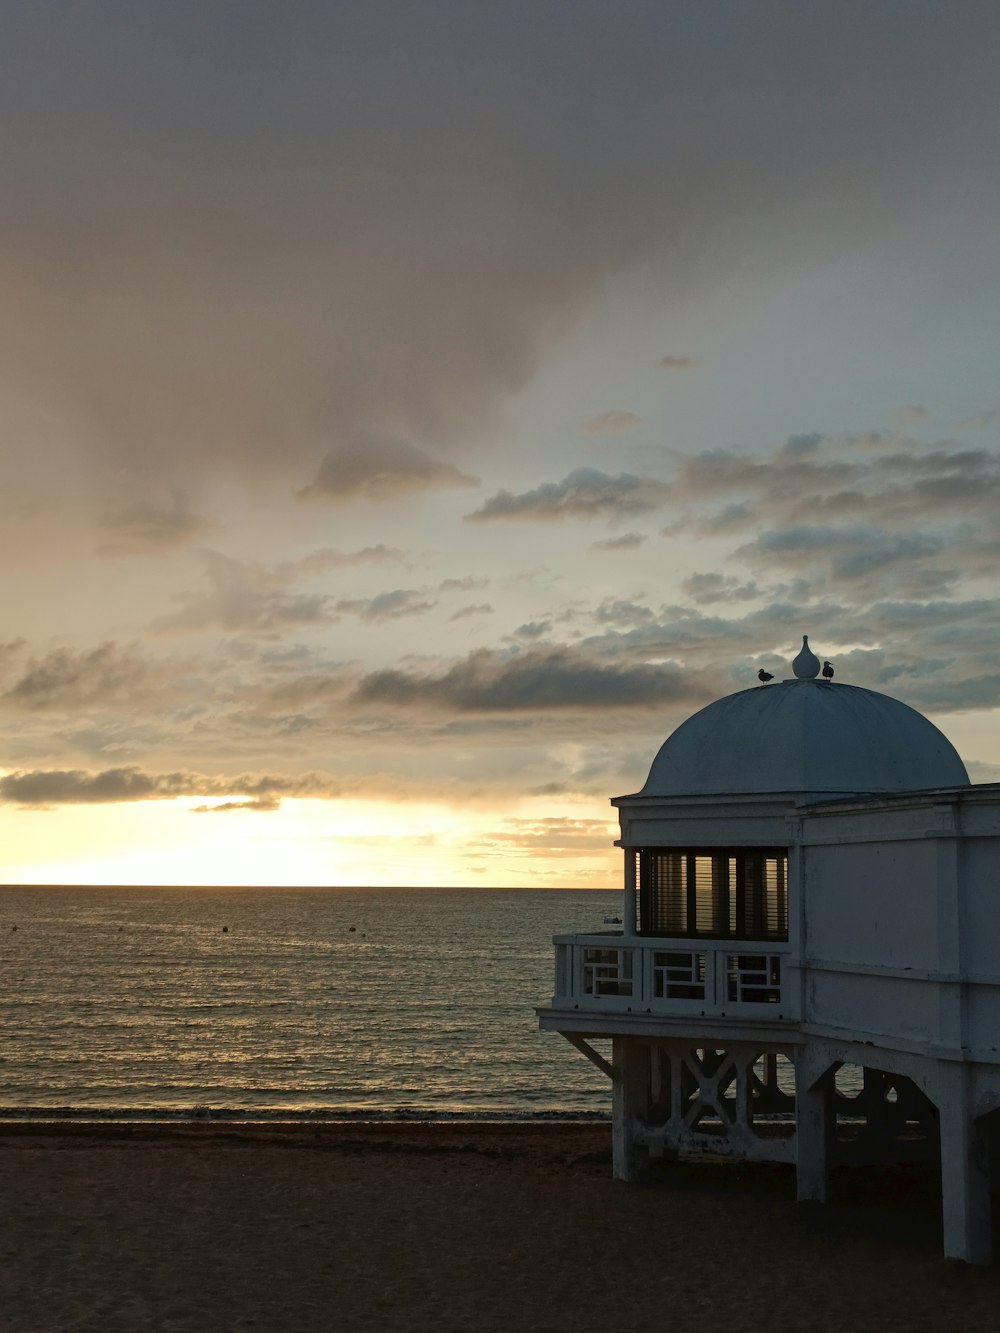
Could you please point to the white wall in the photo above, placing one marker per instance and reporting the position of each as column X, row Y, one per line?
column 874, row 903
column 900, row 935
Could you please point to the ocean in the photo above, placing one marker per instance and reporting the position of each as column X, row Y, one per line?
column 268, row 1002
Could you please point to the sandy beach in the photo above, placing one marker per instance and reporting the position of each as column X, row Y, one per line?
column 454, row 1227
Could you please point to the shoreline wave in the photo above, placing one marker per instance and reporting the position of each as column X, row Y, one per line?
column 260, row 1115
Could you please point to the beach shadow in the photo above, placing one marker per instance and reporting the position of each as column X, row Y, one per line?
column 898, row 1205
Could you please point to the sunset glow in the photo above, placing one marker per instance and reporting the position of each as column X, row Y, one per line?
column 396, row 451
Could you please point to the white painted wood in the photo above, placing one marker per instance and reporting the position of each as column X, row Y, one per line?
column 813, row 1126
column 965, row 1180
column 890, row 962
column 629, row 1102
column 593, row 1056
column 606, row 972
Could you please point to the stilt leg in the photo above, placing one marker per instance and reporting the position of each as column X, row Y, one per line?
column 630, row 1102
column 965, row 1185
column 813, row 1133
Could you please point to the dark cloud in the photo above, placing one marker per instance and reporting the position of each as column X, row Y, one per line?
column 854, row 510
column 67, row 679
column 611, row 423
column 235, row 242
column 895, row 479
column 628, row 541
column 586, row 493
column 675, row 362
column 732, row 517
column 533, row 630
column 784, row 475
column 473, row 609
column 858, row 551
column 377, row 467
column 923, row 617
column 75, row 787
column 537, row 679
column 710, row 587
column 392, row 605
column 466, row 584
column 964, row 694
column 937, row 655
column 52, row 787
column 618, row 611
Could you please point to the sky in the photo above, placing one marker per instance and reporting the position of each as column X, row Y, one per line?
column 410, row 413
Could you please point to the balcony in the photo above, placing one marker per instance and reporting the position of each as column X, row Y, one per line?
column 601, row 973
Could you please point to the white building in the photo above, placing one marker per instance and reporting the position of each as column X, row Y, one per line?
column 808, row 874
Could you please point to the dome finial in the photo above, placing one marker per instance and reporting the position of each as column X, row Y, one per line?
column 806, row 665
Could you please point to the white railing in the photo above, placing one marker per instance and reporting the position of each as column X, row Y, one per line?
column 717, row 978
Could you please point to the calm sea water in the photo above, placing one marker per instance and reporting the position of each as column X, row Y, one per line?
column 124, row 1000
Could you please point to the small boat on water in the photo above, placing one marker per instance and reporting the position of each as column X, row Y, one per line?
column 612, row 920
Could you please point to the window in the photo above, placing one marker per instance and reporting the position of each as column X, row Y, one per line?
column 735, row 893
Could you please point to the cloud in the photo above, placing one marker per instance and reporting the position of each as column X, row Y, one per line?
column 379, row 467
column 473, row 609
column 628, row 541
column 260, row 804
column 804, row 443
column 10, row 651
column 675, row 362
column 554, row 836
column 617, row 611
column 713, row 587
column 964, row 694
column 320, row 562
column 149, row 529
column 895, row 478
column 63, row 678
column 849, row 509
column 466, row 584
column 328, row 243
column 551, row 679
column 586, row 493
column 51, row 787
column 250, row 597
column 386, row 605
column 858, row 551
column 533, row 630
column 611, row 423
column 254, row 598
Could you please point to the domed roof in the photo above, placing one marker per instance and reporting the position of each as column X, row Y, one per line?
column 804, row 735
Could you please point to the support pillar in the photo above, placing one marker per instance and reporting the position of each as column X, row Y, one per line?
column 966, row 1211
column 629, row 1104
column 814, row 1125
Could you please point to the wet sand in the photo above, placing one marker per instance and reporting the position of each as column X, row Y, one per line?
column 211, row 1227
